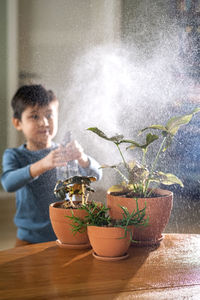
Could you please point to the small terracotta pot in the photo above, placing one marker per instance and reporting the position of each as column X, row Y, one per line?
column 107, row 242
column 157, row 208
column 63, row 229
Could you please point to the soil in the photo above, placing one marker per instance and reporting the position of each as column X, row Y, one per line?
column 133, row 195
column 67, row 205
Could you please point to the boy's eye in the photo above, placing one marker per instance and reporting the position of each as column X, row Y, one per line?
column 49, row 116
column 35, row 117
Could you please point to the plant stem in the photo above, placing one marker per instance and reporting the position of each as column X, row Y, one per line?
column 86, row 200
column 121, row 174
column 125, row 164
column 143, row 158
column 71, row 201
column 83, row 194
column 158, row 154
column 153, row 165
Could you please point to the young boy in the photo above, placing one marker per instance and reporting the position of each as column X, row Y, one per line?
column 30, row 170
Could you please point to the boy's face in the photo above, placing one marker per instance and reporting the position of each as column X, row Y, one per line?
column 39, row 125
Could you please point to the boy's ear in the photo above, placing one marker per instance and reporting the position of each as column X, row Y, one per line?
column 17, row 123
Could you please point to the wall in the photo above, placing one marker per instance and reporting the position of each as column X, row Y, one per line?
column 3, row 76
column 52, row 34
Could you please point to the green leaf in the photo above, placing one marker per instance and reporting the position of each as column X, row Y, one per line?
column 196, row 110
column 98, row 132
column 174, row 123
column 115, row 189
column 167, row 179
column 168, row 142
column 128, row 142
column 116, row 139
column 150, row 138
column 107, row 166
column 159, row 127
column 133, row 145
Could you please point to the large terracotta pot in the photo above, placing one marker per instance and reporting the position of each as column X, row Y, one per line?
column 107, row 242
column 63, row 229
column 158, row 209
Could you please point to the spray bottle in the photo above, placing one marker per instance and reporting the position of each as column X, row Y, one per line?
column 71, row 168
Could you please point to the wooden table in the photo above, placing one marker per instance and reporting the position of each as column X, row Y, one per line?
column 45, row 271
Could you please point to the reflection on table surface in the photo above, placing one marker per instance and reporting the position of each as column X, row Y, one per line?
column 45, row 271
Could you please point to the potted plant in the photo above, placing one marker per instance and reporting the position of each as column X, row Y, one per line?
column 109, row 238
column 77, row 187
column 141, row 180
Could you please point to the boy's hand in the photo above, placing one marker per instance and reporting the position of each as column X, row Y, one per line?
column 56, row 158
column 74, row 151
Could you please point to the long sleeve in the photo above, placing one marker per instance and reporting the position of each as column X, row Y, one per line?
column 92, row 170
column 14, row 176
column 33, row 195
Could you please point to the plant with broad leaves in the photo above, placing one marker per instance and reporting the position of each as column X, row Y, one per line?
column 137, row 183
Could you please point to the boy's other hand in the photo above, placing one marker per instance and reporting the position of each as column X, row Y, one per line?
column 56, row 158
column 74, row 151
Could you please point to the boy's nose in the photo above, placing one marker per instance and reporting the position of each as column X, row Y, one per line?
column 44, row 121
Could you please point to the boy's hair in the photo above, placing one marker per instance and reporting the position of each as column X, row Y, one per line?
column 30, row 95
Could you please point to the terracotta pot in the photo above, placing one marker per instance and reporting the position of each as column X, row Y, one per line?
column 63, row 229
column 106, row 241
column 158, row 209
